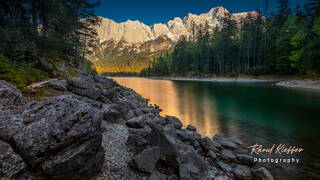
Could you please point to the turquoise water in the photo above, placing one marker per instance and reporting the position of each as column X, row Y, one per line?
column 253, row 112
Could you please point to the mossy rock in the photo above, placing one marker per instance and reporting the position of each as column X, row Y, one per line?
column 20, row 74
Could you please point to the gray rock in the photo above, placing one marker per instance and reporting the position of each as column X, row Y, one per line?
column 175, row 121
column 228, row 155
column 191, row 128
column 115, row 112
column 237, row 141
column 220, row 177
column 225, row 167
column 242, row 151
column 169, row 130
column 245, row 159
column 88, row 87
column 216, row 144
column 212, row 154
column 262, row 174
column 156, row 175
column 207, row 144
column 167, row 145
column 11, row 164
column 58, row 138
column 192, row 165
column 60, row 85
column 137, row 122
column 230, row 143
column 138, row 139
column 111, row 115
column 9, row 95
column 187, row 135
column 147, row 159
column 173, row 152
column 242, row 173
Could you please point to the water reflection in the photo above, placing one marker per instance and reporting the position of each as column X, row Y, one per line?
column 176, row 100
column 255, row 113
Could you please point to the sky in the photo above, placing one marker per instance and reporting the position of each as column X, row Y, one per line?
column 161, row 11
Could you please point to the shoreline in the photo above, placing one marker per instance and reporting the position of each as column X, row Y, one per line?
column 301, row 84
column 222, row 79
column 309, row 84
column 117, row 133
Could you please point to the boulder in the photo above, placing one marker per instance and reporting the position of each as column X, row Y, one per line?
column 225, row 167
column 137, row 122
column 229, row 143
column 175, row 121
column 138, row 139
column 207, row 144
column 191, row 128
column 9, row 95
column 57, row 138
column 236, row 141
column 156, row 175
column 216, row 144
column 169, row 131
column 88, row 87
column 11, row 163
column 242, row 173
column 245, row 159
column 220, row 177
column 228, row 155
column 187, row 135
column 167, row 144
column 212, row 155
column 147, row 159
column 114, row 113
column 166, row 147
column 262, row 174
column 192, row 165
column 60, row 85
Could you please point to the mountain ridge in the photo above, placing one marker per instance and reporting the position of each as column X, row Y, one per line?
column 126, row 43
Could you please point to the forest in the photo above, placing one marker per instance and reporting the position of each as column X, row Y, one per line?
column 43, row 38
column 286, row 42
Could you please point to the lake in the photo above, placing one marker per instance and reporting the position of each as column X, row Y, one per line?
column 253, row 112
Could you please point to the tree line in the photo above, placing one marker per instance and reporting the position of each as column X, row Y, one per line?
column 286, row 42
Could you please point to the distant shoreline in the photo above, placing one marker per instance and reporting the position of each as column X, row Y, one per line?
column 222, row 79
column 290, row 82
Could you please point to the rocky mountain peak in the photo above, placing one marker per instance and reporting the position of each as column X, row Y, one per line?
column 218, row 11
column 132, row 38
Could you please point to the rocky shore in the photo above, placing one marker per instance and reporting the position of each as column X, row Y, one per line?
column 306, row 84
column 93, row 128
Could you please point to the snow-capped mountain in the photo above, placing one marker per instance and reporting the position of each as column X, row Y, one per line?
column 128, row 46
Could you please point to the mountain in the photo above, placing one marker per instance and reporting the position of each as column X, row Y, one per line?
column 129, row 46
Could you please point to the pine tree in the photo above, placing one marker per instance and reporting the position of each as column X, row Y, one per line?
column 284, row 12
